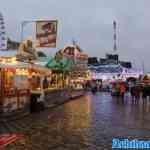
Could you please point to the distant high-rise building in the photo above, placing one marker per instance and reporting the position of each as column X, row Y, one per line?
column 103, row 61
column 126, row 64
column 112, row 58
column 92, row 61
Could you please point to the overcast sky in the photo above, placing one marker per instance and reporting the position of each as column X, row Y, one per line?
column 90, row 23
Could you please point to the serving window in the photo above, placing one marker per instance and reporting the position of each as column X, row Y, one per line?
column 14, row 79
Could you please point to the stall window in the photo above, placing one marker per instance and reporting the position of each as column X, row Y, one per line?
column 9, row 79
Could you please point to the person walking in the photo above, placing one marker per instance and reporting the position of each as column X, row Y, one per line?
column 117, row 91
column 137, row 94
column 122, row 91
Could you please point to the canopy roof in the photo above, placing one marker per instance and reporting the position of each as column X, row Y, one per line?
column 107, row 68
column 62, row 64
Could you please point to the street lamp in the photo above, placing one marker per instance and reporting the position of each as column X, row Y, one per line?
column 23, row 24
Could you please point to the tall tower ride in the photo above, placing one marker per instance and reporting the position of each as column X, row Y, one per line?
column 115, row 36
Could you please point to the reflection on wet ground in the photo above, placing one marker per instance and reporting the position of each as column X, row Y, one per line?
column 87, row 123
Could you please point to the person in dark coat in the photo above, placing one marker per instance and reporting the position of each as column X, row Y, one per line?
column 132, row 91
column 45, row 83
column 145, row 92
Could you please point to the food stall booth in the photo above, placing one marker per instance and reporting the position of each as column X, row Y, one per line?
column 18, row 82
column 57, row 91
column 37, row 75
column 14, row 87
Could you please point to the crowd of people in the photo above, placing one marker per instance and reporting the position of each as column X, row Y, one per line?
column 122, row 90
column 134, row 90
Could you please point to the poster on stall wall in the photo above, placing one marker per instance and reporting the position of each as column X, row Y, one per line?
column 46, row 33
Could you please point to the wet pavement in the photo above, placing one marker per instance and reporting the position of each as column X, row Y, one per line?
column 87, row 123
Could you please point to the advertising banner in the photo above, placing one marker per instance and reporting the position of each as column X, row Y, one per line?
column 3, row 38
column 46, row 33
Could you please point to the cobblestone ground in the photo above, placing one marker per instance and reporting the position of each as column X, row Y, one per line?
column 87, row 123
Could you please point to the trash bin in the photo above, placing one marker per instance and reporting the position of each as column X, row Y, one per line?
column 35, row 106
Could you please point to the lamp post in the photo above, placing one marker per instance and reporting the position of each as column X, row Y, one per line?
column 23, row 24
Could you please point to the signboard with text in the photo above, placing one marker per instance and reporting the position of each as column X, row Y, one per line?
column 3, row 38
column 46, row 33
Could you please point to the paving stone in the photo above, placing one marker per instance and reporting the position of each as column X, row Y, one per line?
column 87, row 123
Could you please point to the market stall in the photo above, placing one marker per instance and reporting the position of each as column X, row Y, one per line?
column 60, row 72
column 79, row 73
column 14, row 87
column 61, row 79
column 38, row 83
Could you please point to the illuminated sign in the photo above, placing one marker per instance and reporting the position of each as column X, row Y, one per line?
column 46, row 33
